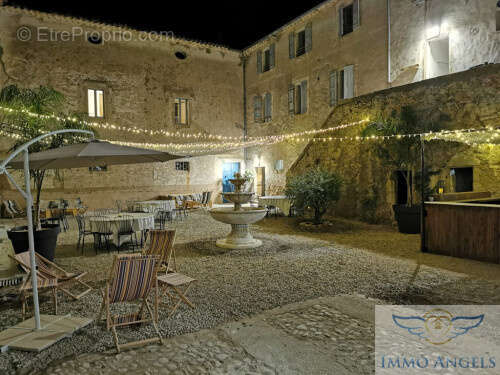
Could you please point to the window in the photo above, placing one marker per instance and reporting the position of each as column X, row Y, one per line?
column 182, row 166
column 266, row 59
column 257, row 108
column 333, row 89
column 181, row 111
column 297, row 98
column 268, row 107
column 464, row 179
column 498, row 16
column 349, row 18
column 346, row 82
column 99, row 168
column 95, row 99
column 300, row 43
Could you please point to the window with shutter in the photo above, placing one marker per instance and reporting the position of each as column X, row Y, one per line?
column 259, row 62
column 268, row 109
column 347, row 82
column 95, row 101
column 348, row 18
column 291, row 45
column 333, row 89
column 355, row 14
column 303, row 97
column 291, row 99
column 257, row 108
column 301, row 43
column 181, row 111
column 298, row 98
column 308, row 37
column 272, row 55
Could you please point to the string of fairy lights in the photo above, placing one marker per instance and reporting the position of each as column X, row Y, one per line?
column 471, row 136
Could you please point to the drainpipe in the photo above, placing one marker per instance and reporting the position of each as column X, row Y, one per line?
column 244, row 61
column 389, row 42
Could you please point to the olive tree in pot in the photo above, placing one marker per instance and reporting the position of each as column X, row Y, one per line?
column 402, row 154
column 27, row 121
column 317, row 189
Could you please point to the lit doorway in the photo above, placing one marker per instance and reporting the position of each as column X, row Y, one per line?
column 260, row 181
column 228, row 172
column 438, row 57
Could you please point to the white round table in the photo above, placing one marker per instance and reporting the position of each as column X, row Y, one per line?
column 140, row 222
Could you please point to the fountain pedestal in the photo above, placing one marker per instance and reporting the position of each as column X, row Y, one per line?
column 240, row 218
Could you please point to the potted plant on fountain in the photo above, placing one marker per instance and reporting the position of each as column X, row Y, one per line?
column 402, row 154
column 27, row 121
column 317, row 190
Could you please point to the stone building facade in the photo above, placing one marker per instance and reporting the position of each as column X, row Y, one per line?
column 293, row 80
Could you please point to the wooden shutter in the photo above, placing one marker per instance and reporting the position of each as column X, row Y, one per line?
column 303, row 97
column 355, row 14
column 259, row 62
column 333, row 88
column 272, row 54
column 349, row 82
column 291, row 45
column 257, row 108
column 291, row 99
column 308, row 35
column 268, row 107
column 341, row 21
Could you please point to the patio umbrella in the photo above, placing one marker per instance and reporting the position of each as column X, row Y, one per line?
column 91, row 154
column 87, row 154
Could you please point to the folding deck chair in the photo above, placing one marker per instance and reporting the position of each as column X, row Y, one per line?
column 26, row 290
column 132, row 278
column 174, row 284
column 47, row 270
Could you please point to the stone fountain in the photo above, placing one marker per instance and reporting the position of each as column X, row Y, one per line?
column 239, row 217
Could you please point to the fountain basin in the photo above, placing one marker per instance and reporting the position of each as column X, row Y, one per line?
column 238, row 198
column 240, row 236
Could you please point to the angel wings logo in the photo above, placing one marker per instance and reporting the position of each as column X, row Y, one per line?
column 438, row 326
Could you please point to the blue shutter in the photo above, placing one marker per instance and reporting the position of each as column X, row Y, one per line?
column 272, row 53
column 355, row 14
column 291, row 99
column 303, row 97
column 291, row 45
column 308, row 32
column 259, row 62
column 333, row 89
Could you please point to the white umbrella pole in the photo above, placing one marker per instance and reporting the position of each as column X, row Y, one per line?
column 31, row 239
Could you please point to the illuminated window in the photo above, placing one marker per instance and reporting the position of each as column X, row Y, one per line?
column 181, row 111
column 95, row 102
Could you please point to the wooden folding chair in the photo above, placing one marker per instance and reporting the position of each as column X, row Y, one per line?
column 174, row 284
column 26, row 290
column 47, row 270
column 132, row 278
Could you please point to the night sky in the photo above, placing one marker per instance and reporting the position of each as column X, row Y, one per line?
column 229, row 23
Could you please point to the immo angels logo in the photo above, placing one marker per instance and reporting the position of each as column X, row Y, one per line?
column 438, row 326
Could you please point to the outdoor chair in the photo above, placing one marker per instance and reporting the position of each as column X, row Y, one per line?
column 102, row 231
column 130, row 206
column 82, row 231
column 59, row 218
column 52, row 276
column 161, row 218
column 171, row 283
column 132, row 279
column 126, row 229
column 119, row 205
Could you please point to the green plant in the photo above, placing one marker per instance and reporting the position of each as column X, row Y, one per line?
column 40, row 101
column 427, row 182
column 316, row 189
column 402, row 153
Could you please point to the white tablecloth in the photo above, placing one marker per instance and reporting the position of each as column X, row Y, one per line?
column 140, row 222
column 153, row 206
column 279, row 201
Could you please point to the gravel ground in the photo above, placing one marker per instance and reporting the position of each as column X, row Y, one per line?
column 236, row 284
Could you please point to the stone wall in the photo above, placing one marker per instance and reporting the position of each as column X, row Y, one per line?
column 469, row 99
column 141, row 79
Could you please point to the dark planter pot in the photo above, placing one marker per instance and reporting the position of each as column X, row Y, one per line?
column 45, row 240
column 408, row 218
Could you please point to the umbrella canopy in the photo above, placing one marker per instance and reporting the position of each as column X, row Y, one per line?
column 91, row 154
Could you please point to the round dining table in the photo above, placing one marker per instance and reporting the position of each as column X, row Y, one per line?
column 153, row 206
column 140, row 222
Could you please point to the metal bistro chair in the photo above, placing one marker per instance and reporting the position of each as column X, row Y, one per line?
column 101, row 229
column 126, row 229
column 161, row 218
column 82, row 231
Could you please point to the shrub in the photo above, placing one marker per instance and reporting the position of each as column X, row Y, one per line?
column 316, row 189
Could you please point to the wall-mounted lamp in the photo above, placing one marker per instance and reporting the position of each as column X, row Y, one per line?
column 279, row 165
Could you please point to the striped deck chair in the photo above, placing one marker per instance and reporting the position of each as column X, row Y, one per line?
column 132, row 278
column 42, row 285
column 173, row 284
column 47, row 270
